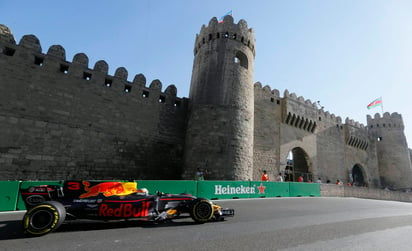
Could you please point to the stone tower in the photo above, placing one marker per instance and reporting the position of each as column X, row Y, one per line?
column 392, row 150
column 219, row 134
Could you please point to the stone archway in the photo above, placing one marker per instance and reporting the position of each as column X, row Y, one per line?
column 298, row 163
column 358, row 177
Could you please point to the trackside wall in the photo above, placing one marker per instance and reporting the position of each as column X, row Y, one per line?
column 205, row 189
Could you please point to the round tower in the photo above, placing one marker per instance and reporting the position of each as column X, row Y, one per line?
column 219, row 135
column 392, row 150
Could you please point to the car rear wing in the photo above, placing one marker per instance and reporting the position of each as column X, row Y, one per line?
column 35, row 195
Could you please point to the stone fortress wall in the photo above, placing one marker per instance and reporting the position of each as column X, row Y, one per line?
column 62, row 120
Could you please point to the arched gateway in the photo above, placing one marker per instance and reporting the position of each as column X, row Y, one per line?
column 357, row 176
column 298, row 163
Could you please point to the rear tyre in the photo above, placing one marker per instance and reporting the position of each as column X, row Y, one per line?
column 44, row 218
column 201, row 211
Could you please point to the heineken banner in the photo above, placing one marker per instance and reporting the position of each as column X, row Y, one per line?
column 270, row 189
column 241, row 189
column 225, row 189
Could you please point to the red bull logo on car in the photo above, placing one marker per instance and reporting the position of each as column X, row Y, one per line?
column 109, row 189
column 124, row 210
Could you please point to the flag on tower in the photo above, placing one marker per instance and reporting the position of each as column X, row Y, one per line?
column 223, row 17
column 375, row 103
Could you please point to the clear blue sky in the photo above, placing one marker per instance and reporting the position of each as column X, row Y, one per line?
column 344, row 53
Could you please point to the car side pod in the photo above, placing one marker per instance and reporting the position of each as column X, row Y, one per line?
column 43, row 218
column 201, row 210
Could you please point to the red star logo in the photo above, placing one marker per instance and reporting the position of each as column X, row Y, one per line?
column 261, row 188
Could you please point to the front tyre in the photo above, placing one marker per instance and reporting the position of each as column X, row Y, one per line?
column 201, row 211
column 44, row 218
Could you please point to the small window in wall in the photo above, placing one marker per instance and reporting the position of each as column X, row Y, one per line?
column 127, row 88
column 210, row 37
column 278, row 102
column 8, row 51
column 64, row 68
column 162, row 99
column 234, row 36
column 87, row 75
column 218, row 35
column 38, row 60
column 320, row 119
column 227, row 35
column 177, row 103
column 145, row 94
column 241, row 59
column 108, row 82
column 272, row 100
column 379, row 138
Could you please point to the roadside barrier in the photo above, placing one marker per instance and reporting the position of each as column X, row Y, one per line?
column 10, row 198
column 8, row 195
column 298, row 189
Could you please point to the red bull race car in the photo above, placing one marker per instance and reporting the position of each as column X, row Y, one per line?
column 48, row 206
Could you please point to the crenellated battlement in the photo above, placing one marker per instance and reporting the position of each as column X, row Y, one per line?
column 388, row 120
column 323, row 118
column 353, row 123
column 6, row 35
column 265, row 93
column 225, row 30
column 29, row 49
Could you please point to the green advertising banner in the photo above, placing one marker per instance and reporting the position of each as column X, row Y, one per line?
column 27, row 184
column 11, row 199
column 270, row 189
column 226, row 189
column 168, row 186
column 298, row 189
column 9, row 194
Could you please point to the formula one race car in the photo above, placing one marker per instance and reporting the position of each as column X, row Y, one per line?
column 48, row 206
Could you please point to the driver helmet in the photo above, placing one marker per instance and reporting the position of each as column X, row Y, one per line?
column 143, row 191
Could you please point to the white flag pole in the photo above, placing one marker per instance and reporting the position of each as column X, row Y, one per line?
column 382, row 105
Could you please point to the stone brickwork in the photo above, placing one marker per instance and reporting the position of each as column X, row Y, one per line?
column 64, row 120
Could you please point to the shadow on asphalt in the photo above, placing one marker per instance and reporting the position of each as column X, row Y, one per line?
column 14, row 229
column 11, row 230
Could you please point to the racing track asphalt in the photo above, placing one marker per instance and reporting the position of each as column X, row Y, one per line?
column 259, row 224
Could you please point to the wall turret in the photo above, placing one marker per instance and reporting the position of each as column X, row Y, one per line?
column 392, row 149
column 220, row 128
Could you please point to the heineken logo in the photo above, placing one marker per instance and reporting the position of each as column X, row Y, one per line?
column 228, row 189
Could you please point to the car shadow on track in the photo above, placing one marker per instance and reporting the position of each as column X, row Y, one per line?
column 85, row 225
column 14, row 229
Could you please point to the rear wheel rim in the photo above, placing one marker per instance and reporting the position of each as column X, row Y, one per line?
column 41, row 219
